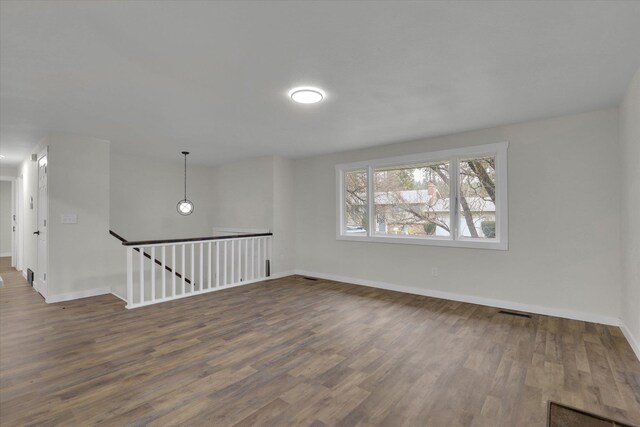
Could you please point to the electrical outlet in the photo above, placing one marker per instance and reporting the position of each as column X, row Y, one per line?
column 434, row 271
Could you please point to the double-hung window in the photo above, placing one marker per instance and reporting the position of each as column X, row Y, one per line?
column 445, row 198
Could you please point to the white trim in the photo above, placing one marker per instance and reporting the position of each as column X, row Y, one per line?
column 19, row 235
column 453, row 156
column 77, row 295
column 339, row 201
column 428, row 241
column 556, row 312
column 433, row 156
column 280, row 275
column 24, row 274
column 13, row 216
column 635, row 346
column 118, row 296
column 14, row 224
column 37, row 284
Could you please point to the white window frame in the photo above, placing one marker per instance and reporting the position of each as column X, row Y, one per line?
column 453, row 156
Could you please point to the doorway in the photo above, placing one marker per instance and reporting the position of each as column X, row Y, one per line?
column 7, row 216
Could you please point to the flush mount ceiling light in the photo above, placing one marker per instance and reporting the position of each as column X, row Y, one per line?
column 185, row 206
column 306, row 95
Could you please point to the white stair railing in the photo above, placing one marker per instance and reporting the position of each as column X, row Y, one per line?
column 165, row 270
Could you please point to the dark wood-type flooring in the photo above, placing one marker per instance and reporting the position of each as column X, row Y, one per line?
column 298, row 352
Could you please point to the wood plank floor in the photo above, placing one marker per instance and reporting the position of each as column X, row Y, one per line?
column 298, row 352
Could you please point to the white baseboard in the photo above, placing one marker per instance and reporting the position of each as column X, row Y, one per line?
column 77, row 295
column 635, row 346
column 281, row 275
column 510, row 305
column 118, row 296
column 24, row 274
column 5, row 254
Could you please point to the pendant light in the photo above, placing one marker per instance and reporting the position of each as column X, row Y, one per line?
column 185, row 206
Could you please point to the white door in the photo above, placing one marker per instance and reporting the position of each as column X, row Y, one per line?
column 43, row 207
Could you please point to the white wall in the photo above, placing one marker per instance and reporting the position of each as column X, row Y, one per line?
column 243, row 194
column 630, row 160
column 78, row 183
column 80, row 258
column 564, row 237
column 564, row 250
column 258, row 193
column 564, row 183
column 5, row 218
column 9, row 171
column 284, row 216
column 251, row 194
column 564, row 197
column 144, row 194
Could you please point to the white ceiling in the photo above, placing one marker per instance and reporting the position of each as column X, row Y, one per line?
column 212, row 77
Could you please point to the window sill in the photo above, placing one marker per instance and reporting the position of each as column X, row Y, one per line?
column 430, row 241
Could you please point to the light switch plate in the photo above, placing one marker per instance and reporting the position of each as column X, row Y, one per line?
column 69, row 218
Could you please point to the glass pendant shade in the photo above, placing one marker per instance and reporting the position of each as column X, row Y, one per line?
column 185, row 207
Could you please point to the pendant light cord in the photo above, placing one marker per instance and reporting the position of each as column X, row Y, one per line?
column 185, row 176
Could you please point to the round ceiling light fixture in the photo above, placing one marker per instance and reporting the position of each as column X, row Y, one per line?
column 306, row 95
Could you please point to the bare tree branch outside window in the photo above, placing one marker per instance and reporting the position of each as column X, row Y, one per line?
column 414, row 200
column 477, row 197
column 355, row 215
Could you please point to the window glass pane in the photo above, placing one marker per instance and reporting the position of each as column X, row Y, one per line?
column 412, row 200
column 477, row 198
column 356, row 216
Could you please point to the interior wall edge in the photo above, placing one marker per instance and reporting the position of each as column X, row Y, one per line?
column 635, row 345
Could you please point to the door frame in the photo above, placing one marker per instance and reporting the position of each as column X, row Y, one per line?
column 41, row 154
column 14, row 227
column 19, row 212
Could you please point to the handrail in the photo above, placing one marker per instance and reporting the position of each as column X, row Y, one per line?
column 158, row 262
column 187, row 240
